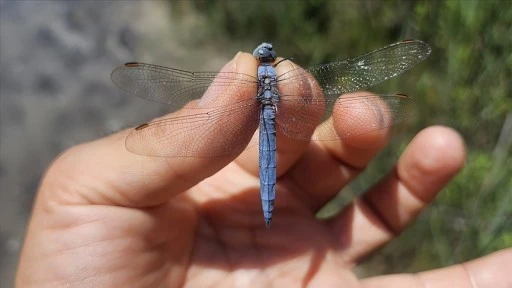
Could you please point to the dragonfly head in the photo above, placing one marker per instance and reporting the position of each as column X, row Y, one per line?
column 265, row 53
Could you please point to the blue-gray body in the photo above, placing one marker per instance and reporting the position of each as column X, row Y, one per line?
column 268, row 96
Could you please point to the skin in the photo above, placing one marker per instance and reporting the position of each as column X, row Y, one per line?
column 105, row 217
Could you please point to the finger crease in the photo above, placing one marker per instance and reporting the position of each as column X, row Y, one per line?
column 410, row 191
column 341, row 161
column 470, row 275
column 373, row 209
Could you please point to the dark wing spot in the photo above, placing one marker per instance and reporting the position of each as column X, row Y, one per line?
column 140, row 127
column 132, row 64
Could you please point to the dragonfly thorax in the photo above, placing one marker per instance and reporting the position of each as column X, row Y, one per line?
column 267, row 84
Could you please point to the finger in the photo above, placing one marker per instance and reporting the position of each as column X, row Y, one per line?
column 340, row 161
column 433, row 157
column 104, row 172
column 489, row 271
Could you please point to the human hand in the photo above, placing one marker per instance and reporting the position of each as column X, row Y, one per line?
column 105, row 217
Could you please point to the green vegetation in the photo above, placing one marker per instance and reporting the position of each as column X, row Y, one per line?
column 465, row 84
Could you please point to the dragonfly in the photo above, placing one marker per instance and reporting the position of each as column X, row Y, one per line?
column 230, row 111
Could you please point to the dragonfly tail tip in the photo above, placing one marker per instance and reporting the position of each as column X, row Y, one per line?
column 267, row 222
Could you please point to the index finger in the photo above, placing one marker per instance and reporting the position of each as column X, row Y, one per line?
column 105, row 172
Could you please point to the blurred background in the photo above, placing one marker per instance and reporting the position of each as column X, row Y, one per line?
column 55, row 92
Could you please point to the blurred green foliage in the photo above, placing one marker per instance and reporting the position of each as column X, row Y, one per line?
column 465, row 84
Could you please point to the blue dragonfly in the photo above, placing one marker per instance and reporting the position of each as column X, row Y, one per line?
column 226, row 108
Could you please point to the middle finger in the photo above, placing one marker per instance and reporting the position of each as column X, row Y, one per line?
column 326, row 167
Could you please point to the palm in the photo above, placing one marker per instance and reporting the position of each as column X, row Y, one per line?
column 232, row 242
column 210, row 235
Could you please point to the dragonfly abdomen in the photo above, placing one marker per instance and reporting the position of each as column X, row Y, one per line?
column 267, row 165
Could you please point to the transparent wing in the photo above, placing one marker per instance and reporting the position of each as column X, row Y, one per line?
column 308, row 100
column 215, row 132
column 309, row 97
column 350, row 115
column 361, row 72
column 178, row 87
